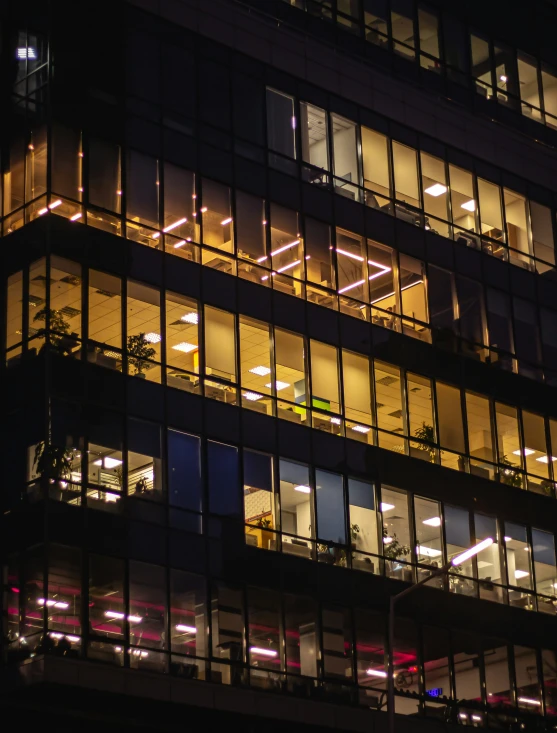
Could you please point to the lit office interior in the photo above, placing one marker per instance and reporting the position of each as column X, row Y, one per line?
column 497, row 72
column 198, row 351
column 135, row 466
column 145, row 617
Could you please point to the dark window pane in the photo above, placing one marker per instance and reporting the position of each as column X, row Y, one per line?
column 224, row 495
column 330, row 507
column 184, row 470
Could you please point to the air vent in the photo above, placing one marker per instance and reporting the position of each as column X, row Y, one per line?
column 71, row 280
column 387, row 381
column 69, row 311
column 35, row 300
column 396, row 413
column 379, row 405
column 415, row 389
column 42, row 279
column 106, row 293
column 180, row 323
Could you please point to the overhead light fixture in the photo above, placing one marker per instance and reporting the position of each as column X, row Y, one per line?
column 336, row 420
column 26, row 52
column 279, row 385
column 286, row 246
column 469, row 205
column 262, row 259
column 436, row 190
column 507, row 539
column 71, row 637
column 152, row 337
column 303, row 489
column 353, row 285
column 386, row 507
column 427, row 551
column 361, row 429
column 376, row 673
column 529, row 701
column 190, row 318
column 387, row 540
column 186, row 629
column 181, row 243
column 75, row 217
column 520, row 574
column 546, row 459
column 503, row 78
column 526, row 452
column 108, row 462
column 261, row 371
column 433, row 522
column 253, row 396
column 185, row 347
column 203, row 209
column 263, row 652
column 226, row 221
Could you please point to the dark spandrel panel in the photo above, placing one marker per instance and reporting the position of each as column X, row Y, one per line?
column 259, row 431
column 215, row 163
column 177, row 66
column 186, row 551
column 294, row 441
column 146, row 264
column 248, row 108
column 219, row 289
column 143, row 66
column 468, row 262
column 289, row 312
column 327, row 450
column 214, row 93
column 323, row 324
column 222, row 421
column 145, row 399
column 184, row 411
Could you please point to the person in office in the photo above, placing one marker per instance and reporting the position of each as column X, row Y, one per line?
column 391, row 320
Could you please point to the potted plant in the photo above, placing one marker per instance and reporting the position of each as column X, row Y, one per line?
column 53, row 464
column 393, row 550
column 139, row 352
column 141, row 487
column 265, row 525
column 324, row 553
column 427, row 434
column 58, row 325
column 508, row 474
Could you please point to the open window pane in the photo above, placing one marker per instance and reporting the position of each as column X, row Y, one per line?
column 363, row 523
column 319, row 253
column 251, row 227
column 529, row 88
column 281, row 123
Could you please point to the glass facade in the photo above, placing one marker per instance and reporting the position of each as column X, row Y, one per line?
column 447, row 48
column 239, row 360
column 270, row 358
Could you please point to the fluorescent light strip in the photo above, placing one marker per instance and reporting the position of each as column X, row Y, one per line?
column 263, row 652
column 288, row 267
column 376, row 673
column 386, row 507
column 226, row 221
column 349, row 254
column 467, row 554
column 353, row 285
column 286, row 246
column 186, row 629
column 433, row 522
column 302, row 489
column 418, row 282
column 75, row 217
column 529, row 701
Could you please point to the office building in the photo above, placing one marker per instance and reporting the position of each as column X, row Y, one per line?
column 279, row 333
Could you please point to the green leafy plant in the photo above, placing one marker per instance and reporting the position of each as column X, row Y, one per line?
column 53, row 462
column 354, row 533
column 57, row 323
column 427, row 434
column 139, row 352
column 394, row 549
column 264, row 523
column 508, row 474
